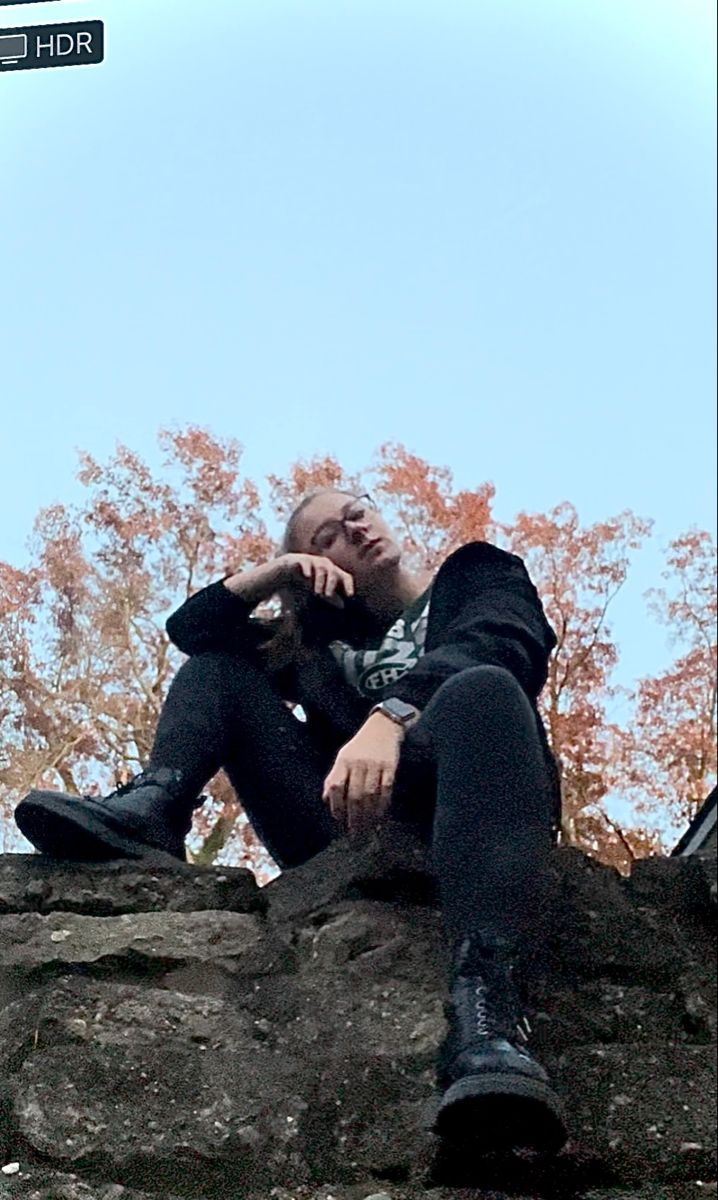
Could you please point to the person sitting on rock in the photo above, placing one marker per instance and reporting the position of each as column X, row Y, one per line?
column 419, row 696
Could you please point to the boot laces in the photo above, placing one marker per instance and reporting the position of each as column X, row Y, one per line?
column 481, row 1011
column 167, row 778
column 132, row 785
column 487, row 966
column 483, row 1023
column 524, row 1030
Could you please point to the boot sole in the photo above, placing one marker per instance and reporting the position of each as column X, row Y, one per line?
column 61, row 830
column 502, row 1112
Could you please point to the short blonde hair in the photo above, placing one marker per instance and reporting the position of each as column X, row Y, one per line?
column 289, row 544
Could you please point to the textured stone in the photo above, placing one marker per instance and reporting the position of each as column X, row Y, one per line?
column 38, row 1184
column 33, row 883
column 650, row 1111
column 595, row 930
column 694, row 1190
column 290, row 1055
column 602, row 1011
column 387, row 863
column 682, row 884
column 239, row 942
column 366, row 974
column 150, row 1084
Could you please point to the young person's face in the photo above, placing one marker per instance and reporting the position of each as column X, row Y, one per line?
column 349, row 531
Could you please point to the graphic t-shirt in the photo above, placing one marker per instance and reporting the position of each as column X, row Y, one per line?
column 376, row 667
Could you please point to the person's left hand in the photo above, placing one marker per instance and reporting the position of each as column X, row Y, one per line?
column 358, row 788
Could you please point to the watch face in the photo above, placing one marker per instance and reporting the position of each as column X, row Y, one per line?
column 399, row 709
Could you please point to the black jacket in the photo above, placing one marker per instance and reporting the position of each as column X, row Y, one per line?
column 484, row 609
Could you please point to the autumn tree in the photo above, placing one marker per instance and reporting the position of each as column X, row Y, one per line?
column 431, row 516
column 85, row 664
column 665, row 761
column 579, row 571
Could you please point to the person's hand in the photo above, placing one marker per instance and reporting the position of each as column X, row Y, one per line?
column 319, row 574
column 359, row 786
column 313, row 571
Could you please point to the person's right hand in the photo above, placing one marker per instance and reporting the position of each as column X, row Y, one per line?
column 319, row 574
column 313, row 571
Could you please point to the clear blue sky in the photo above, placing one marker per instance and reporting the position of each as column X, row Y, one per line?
column 482, row 228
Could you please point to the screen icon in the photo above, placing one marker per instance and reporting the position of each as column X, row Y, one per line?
column 13, row 47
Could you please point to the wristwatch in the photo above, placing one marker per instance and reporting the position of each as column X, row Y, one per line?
column 398, row 711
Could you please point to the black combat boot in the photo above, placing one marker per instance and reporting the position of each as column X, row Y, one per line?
column 151, row 813
column 496, row 1097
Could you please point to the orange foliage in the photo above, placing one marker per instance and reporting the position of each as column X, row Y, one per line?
column 85, row 664
column 307, row 477
column 433, row 519
column 666, row 757
column 578, row 572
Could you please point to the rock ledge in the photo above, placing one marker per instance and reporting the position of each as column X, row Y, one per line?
column 177, row 1033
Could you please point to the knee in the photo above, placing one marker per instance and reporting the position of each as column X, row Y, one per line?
column 476, row 685
column 208, row 660
column 213, row 666
column 484, row 697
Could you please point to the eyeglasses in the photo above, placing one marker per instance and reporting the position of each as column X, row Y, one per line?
column 354, row 511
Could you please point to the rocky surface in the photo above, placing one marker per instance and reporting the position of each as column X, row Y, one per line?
column 172, row 1033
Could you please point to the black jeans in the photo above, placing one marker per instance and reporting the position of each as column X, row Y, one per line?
column 472, row 775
